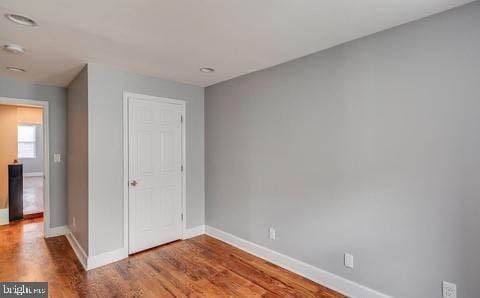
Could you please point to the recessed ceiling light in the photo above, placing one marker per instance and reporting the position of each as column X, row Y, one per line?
column 14, row 48
column 207, row 69
column 16, row 69
column 19, row 19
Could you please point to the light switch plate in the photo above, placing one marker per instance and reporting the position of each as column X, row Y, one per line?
column 57, row 157
column 348, row 260
column 271, row 233
column 449, row 290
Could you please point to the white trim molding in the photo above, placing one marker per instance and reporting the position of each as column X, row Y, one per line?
column 103, row 259
column 106, row 258
column 56, row 231
column 77, row 249
column 330, row 280
column 93, row 262
column 33, row 174
column 193, row 232
column 4, row 220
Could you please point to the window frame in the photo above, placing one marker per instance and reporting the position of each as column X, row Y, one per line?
column 34, row 142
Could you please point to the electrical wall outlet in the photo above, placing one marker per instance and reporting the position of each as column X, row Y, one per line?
column 348, row 260
column 57, row 157
column 449, row 290
column 271, row 233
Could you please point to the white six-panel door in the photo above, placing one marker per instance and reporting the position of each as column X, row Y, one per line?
column 155, row 172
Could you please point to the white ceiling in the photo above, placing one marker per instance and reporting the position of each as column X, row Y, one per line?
column 172, row 39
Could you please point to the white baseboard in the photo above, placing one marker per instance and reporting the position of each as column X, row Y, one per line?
column 56, row 231
column 4, row 217
column 106, row 258
column 103, row 259
column 122, row 253
column 34, row 174
column 77, row 249
column 93, row 262
column 193, row 232
column 332, row 281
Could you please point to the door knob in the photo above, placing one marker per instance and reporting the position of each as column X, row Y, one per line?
column 134, row 183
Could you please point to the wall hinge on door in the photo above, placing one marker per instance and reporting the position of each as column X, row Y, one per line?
column 182, row 216
column 181, row 118
column 181, row 168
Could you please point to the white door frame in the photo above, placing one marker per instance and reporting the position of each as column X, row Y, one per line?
column 182, row 103
column 47, row 231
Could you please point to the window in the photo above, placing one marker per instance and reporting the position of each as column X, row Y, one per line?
column 26, row 141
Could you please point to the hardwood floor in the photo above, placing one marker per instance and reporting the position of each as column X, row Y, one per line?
column 198, row 267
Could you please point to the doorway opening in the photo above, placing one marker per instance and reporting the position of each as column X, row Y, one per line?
column 23, row 161
column 30, row 156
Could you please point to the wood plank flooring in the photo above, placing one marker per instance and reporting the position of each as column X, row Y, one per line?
column 198, row 267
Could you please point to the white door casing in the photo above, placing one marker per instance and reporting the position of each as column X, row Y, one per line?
column 155, row 172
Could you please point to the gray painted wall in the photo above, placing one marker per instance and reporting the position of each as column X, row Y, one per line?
column 371, row 147
column 35, row 165
column 56, row 97
column 106, row 87
column 77, row 111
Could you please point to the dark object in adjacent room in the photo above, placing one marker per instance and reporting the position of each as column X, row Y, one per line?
column 15, row 191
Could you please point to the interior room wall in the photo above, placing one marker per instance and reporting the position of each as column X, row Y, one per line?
column 8, row 148
column 370, row 147
column 77, row 157
column 56, row 97
column 29, row 115
column 105, row 141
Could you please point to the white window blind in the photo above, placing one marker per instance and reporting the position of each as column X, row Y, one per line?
column 26, row 141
